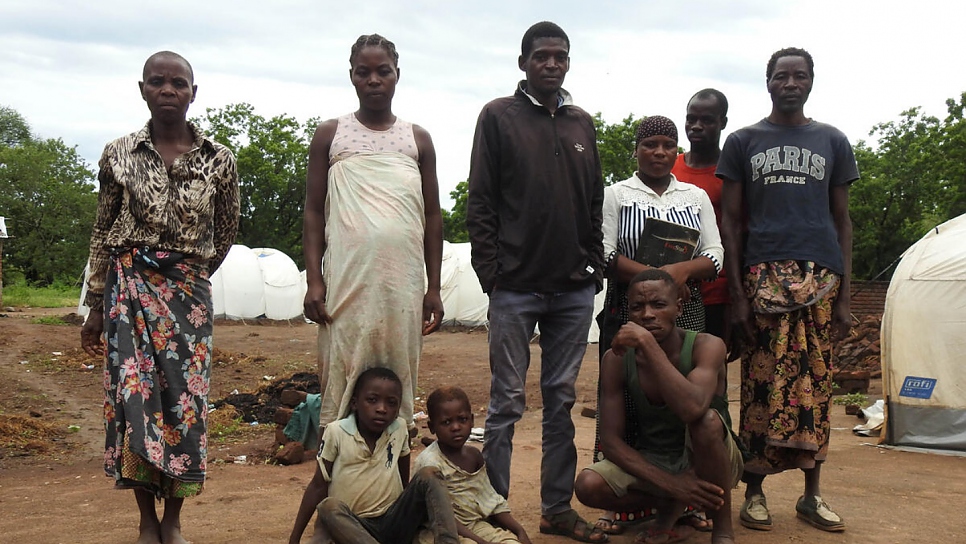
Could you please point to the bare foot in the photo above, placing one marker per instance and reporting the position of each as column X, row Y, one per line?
column 171, row 534
column 149, row 534
column 722, row 539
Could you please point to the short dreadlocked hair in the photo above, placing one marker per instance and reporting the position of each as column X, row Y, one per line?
column 543, row 29
column 375, row 40
column 789, row 52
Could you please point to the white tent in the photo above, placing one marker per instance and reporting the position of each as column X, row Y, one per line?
column 266, row 282
column 257, row 282
column 465, row 303
column 250, row 283
column 924, row 343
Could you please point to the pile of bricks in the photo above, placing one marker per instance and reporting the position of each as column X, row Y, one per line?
column 287, row 451
column 856, row 359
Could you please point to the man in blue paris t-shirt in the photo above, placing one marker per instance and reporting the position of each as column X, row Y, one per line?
column 789, row 280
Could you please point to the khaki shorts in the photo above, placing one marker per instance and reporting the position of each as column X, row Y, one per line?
column 620, row 481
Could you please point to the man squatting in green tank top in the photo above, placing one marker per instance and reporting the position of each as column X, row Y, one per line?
column 685, row 453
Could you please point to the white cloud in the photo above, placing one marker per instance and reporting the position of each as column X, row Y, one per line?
column 72, row 68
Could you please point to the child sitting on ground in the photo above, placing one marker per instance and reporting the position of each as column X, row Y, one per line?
column 482, row 515
column 360, row 485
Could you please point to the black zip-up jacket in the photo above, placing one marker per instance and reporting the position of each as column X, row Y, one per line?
column 535, row 196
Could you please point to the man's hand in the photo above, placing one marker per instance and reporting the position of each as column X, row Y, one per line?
column 630, row 335
column 841, row 320
column 687, row 488
column 742, row 321
column 432, row 312
column 91, row 334
column 314, row 305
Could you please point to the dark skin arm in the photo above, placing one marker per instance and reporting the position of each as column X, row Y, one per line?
column 313, row 222
column 731, row 237
column 433, row 236
column 91, row 334
column 686, row 486
column 508, row 522
column 841, row 310
column 404, row 469
column 317, row 490
column 698, row 268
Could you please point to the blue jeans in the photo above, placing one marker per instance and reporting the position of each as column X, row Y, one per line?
column 564, row 320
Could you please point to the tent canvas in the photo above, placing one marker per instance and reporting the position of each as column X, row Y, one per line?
column 464, row 301
column 924, row 345
column 265, row 282
column 250, row 283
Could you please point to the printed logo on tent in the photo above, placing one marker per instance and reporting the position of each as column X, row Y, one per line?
column 917, row 388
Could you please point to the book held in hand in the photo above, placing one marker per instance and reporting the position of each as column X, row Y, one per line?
column 663, row 242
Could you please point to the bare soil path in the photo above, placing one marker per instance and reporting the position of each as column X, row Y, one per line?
column 61, row 495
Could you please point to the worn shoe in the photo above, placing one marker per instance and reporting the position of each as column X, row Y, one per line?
column 816, row 512
column 754, row 513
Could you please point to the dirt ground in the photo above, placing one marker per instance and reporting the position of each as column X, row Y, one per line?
column 55, row 491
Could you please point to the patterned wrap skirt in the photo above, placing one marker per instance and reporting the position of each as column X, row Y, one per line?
column 158, row 315
column 786, row 374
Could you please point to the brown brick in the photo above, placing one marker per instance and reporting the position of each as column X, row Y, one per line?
column 282, row 415
column 293, row 397
column 290, row 454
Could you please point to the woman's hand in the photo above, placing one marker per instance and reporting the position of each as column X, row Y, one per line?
column 432, row 311
column 314, row 305
column 91, row 334
column 680, row 273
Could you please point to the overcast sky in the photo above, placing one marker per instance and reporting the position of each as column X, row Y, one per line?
column 71, row 68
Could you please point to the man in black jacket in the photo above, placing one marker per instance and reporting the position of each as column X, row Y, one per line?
column 534, row 219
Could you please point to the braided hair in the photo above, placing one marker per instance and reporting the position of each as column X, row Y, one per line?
column 374, row 40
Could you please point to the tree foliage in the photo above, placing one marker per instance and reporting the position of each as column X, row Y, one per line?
column 47, row 195
column 272, row 157
column 616, row 146
column 914, row 180
column 454, row 221
column 14, row 129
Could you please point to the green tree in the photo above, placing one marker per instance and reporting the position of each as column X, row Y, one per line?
column 47, row 195
column 272, row 157
column 902, row 193
column 454, row 221
column 953, row 151
column 616, row 146
column 14, row 129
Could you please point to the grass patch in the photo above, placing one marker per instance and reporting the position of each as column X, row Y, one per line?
column 27, row 433
column 226, row 425
column 48, row 320
column 56, row 295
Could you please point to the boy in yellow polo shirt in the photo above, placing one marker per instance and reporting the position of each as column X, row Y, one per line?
column 360, row 486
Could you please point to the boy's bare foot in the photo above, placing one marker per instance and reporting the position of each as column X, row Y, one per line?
column 722, row 539
column 171, row 534
column 149, row 534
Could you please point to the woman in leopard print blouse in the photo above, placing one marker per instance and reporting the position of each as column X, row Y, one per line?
column 167, row 216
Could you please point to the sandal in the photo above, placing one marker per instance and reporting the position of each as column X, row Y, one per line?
column 626, row 519
column 609, row 525
column 570, row 524
column 697, row 520
column 677, row 533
